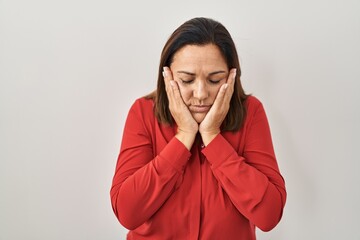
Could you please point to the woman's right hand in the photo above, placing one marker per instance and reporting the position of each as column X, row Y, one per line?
column 187, row 127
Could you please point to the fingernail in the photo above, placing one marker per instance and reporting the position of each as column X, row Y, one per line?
column 163, row 73
column 235, row 73
column 225, row 86
column 172, row 83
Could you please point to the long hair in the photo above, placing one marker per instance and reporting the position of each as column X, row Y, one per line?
column 201, row 31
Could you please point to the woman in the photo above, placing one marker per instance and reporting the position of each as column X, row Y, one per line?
column 196, row 159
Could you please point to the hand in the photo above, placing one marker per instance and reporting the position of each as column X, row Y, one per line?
column 210, row 127
column 187, row 126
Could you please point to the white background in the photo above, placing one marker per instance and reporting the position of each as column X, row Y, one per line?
column 70, row 70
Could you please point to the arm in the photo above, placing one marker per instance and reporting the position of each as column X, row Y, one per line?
column 252, row 181
column 142, row 182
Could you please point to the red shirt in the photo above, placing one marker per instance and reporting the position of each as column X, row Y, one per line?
column 161, row 190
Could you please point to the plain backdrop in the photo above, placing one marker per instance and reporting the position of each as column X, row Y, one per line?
column 70, row 70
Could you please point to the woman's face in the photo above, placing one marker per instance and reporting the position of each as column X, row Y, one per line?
column 199, row 71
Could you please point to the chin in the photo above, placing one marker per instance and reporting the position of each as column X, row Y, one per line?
column 199, row 117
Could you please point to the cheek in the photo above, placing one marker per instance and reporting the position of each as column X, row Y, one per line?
column 185, row 92
column 213, row 91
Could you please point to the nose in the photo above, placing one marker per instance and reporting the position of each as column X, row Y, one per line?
column 201, row 90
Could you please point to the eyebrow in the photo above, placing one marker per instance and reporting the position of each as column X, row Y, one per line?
column 193, row 74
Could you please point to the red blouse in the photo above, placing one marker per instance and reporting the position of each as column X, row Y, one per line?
column 161, row 190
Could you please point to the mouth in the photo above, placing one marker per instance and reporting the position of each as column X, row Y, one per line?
column 199, row 108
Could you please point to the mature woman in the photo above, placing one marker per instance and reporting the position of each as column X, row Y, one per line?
column 196, row 159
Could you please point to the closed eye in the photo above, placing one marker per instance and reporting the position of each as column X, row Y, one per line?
column 215, row 81
column 187, row 81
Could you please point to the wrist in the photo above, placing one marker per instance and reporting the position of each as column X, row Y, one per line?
column 187, row 138
column 208, row 136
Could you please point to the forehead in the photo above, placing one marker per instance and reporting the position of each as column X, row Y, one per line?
column 206, row 57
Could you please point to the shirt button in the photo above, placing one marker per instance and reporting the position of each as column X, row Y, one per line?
column 202, row 145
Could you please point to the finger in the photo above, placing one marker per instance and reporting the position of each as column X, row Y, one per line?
column 169, row 85
column 230, row 87
column 231, row 77
column 226, row 90
column 167, row 74
column 221, row 95
column 167, row 77
column 173, row 90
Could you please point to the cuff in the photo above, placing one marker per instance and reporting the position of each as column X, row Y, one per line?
column 218, row 150
column 176, row 154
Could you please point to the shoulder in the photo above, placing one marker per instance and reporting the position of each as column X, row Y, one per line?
column 254, row 109
column 142, row 112
column 144, row 102
column 142, row 105
column 252, row 104
column 142, row 108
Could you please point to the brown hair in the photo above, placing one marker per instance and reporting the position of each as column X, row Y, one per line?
column 201, row 31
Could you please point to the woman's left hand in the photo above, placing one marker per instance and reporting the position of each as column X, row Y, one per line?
column 210, row 127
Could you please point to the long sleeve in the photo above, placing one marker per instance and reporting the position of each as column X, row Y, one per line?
column 142, row 181
column 251, row 180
